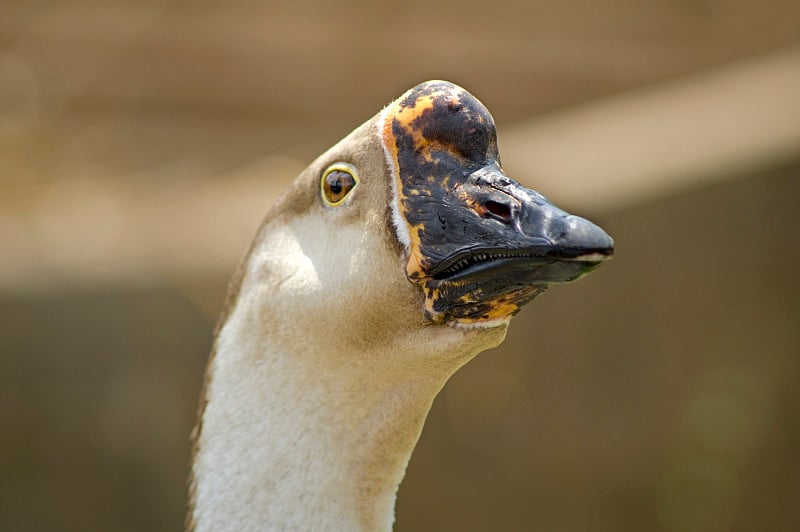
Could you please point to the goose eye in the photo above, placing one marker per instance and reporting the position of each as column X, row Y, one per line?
column 337, row 181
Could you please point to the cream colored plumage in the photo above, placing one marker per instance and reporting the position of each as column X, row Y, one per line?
column 326, row 360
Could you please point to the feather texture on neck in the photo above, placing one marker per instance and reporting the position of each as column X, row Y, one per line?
column 324, row 367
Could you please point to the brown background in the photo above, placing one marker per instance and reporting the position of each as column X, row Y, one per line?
column 658, row 394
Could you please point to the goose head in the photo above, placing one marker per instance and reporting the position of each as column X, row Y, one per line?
column 478, row 243
column 410, row 223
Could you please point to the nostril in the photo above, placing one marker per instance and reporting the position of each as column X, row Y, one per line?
column 500, row 210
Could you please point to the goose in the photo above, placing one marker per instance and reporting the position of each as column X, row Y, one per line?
column 392, row 260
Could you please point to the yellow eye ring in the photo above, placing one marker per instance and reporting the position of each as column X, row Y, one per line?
column 337, row 181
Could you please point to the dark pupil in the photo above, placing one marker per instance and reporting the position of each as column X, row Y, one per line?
column 339, row 183
column 335, row 183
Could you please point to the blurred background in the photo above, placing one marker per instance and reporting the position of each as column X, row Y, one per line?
column 141, row 142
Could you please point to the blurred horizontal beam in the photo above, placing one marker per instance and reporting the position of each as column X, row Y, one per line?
column 595, row 158
column 107, row 231
column 626, row 149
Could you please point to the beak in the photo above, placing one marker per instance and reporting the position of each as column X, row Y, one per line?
column 479, row 244
column 507, row 226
